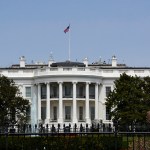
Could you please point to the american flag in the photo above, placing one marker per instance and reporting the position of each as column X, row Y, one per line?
column 67, row 29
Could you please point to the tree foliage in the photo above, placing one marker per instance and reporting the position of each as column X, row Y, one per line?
column 12, row 106
column 130, row 100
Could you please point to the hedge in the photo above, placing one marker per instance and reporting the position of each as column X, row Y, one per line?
column 60, row 142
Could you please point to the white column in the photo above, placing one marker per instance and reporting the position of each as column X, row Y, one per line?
column 39, row 103
column 101, row 102
column 96, row 101
column 60, row 119
column 74, row 103
column 34, row 106
column 87, row 104
column 47, row 103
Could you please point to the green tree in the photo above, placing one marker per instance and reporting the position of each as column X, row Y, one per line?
column 130, row 100
column 12, row 106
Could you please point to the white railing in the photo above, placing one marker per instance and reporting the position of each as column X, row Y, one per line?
column 67, row 69
column 80, row 69
column 53, row 69
column 74, row 71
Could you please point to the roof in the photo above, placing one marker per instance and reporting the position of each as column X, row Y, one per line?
column 68, row 64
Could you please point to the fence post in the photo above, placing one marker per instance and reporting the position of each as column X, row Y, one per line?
column 24, row 128
column 69, row 127
column 87, row 127
column 58, row 127
column 64, row 127
column 41, row 128
column 75, row 127
column 103, row 127
column 98, row 126
column 6, row 135
column 81, row 128
column 18, row 128
column 47, row 128
column 53, row 128
column 35, row 128
column 116, row 130
column 30, row 128
column 134, row 126
column 92, row 127
column 109, row 127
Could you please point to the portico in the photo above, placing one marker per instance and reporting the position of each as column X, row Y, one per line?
column 71, row 102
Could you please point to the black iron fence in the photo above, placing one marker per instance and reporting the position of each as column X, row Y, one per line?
column 40, row 128
column 99, row 127
column 75, row 141
column 94, row 137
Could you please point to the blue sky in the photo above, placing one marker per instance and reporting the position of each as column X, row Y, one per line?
column 99, row 29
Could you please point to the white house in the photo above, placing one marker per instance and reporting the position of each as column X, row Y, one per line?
column 68, row 92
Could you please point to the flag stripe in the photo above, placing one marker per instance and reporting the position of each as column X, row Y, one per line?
column 67, row 29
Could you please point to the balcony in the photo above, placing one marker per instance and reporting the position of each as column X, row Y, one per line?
column 68, row 71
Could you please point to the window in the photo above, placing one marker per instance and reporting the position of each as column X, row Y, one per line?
column 43, row 113
column 67, row 112
column 28, row 91
column 108, row 90
column 80, row 90
column 28, row 113
column 43, row 92
column 108, row 114
column 92, row 113
column 92, row 91
column 54, row 91
column 80, row 113
column 67, row 88
column 55, row 113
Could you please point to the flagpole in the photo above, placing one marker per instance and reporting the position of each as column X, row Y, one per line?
column 69, row 44
column 68, row 30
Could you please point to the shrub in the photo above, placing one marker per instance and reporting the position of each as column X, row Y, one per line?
column 89, row 142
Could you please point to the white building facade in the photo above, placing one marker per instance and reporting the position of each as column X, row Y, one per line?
column 68, row 92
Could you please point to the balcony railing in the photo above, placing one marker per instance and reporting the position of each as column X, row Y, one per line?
column 43, row 96
column 54, row 96
column 67, row 96
column 80, row 96
column 53, row 120
column 92, row 96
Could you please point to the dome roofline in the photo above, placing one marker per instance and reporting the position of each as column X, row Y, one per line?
column 68, row 64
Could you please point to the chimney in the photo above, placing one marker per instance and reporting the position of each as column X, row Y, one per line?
column 51, row 60
column 85, row 61
column 22, row 61
column 114, row 61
